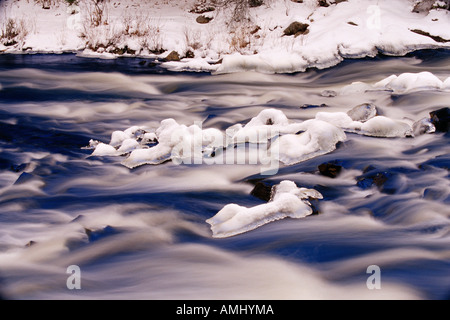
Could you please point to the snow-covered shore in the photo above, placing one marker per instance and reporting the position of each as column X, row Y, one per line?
column 170, row 29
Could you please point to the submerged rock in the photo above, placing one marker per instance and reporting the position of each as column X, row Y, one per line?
column 262, row 191
column 330, row 169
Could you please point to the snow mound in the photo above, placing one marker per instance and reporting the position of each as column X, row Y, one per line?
column 288, row 201
column 400, row 84
column 266, row 125
column 178, row 143
column 377, row 126
column 408, row 82
column 270, row 62
column 315, row 138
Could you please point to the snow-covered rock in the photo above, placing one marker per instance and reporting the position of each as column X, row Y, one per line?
column 288, row 201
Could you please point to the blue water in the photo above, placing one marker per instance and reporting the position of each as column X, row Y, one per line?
column 141, row 233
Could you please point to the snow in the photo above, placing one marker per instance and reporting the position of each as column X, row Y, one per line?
column 103, row 149
column 350, row 29
column 287, row 201
column 400, row 84
column 407, row 82
column 318, row 138
column 271, row 136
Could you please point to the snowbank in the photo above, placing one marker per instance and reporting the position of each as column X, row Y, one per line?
column 349, row 29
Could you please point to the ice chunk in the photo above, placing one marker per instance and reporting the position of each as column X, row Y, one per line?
column 363, row 112
column 128, row 145
column 381, row 126
column 117, row 137
column 176, row 142
column 378, row 126
column 155, row 155
column 339, row 119
column 103, row 149
column 287, row 201
column 407, row 82
column 318, row 137
column 423, row 126
column 268, row 124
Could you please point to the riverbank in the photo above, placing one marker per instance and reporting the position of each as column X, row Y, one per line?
column 270, row 37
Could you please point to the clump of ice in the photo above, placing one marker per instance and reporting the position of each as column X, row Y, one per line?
column 315, row 138
column 407, row 82
column 363, row 112
column 287, row 200
column 176, row 142
column 378, row 126
column 400, row 84
column 266, row 125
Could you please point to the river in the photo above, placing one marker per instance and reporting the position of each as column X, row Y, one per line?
column 141, row 233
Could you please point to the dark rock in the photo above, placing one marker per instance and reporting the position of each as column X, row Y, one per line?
column 352, row 23
column 440, row 119
column 202, row 8
column 30, row 243
column 429, row 35
column 189, row 54
column 173, row 56
column 142, row 63
column 296, row 29
column 262, row 191
column 297, row 1
column 203, row 19
column 330, row 169
column 257, row 28
column 122, row 51
column 423, row 6
column 323, row 3
column 255, row 3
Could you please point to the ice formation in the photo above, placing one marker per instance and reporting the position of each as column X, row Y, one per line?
column 315, row 138
column 286, row 141
column 287, row 200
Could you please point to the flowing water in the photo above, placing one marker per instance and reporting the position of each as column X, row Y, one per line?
column 141, row 233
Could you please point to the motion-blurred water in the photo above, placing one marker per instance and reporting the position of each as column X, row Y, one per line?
column 141, row 234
